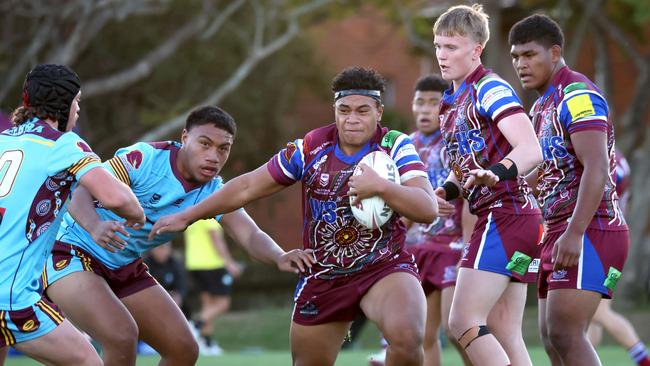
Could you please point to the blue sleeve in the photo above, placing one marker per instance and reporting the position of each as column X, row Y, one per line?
column 71, row 153
column 131, row 164
column 583, row 109
column 495, row 97
column 286, row 167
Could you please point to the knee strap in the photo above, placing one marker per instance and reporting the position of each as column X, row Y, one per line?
column 471, row 334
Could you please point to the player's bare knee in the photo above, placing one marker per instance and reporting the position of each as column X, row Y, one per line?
column 458, row 325
column 560, row 337
column 83, row 356
column 185, row 351
column 123, row 336
column 405, row 341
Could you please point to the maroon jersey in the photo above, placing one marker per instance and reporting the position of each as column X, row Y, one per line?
column 468, row 119
column 445, row 233
column 341, row 244
column 622, row 180
column 572, row 103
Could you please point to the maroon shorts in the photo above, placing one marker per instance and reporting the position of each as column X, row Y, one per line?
column 496, row 238
column 438, row 269
column 124, row 281
column 603, row 255
column 320, row 301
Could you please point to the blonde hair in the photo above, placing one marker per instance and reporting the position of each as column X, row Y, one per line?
column 465, row 21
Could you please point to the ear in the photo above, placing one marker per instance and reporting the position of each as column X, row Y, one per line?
column 477, row 51
column 380, row 112
column 556, row 53
column 184, row 136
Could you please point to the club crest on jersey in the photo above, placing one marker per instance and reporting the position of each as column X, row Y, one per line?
column 2, row 214
column 470, row 141
column 324, row 179
column 84, row 147
column 134, row 158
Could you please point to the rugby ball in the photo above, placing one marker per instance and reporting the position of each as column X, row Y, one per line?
column 373, row 212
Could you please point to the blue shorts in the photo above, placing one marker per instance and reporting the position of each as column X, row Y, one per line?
column 497, row 237
column 29, row 323
column 602, row 251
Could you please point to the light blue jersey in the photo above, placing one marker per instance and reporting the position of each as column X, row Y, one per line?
column 39, row 167
column 150, row 170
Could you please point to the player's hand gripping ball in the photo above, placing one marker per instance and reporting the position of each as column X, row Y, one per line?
column 373, row 212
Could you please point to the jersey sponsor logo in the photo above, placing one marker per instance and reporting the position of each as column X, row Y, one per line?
column 178, row 202
column 84, row 147
column 495, row 94
column 134, row 158
column 469, row 141
column 406, row 150
column 323, row 210
column 553, row 146
column 580, row 106
column 533, row 267
column 155, row 198
column 560, row 275
column 309, row 309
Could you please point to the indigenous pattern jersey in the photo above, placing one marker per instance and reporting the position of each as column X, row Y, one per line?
column 572, row 103
column 468, row 120
column 622, row 180
column 150, row 170
column 342, row 245
column 445, row 231
column 39, row 167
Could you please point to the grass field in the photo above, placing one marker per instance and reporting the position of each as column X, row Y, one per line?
column 261, row 338
column 610, row 355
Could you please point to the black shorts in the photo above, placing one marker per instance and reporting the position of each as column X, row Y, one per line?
column 213, row 281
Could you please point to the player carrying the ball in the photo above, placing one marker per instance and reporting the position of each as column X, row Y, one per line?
column 490, row 142
column 357, row 269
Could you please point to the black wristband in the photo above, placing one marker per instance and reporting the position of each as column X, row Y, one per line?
column 451, row 191
column 504, row 173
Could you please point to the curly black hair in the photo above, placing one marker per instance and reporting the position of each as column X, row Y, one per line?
column 358, row 77
column 431, row 83
column 539, row 28
column 211, row 115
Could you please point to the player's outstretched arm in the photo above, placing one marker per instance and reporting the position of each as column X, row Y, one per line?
column 591, row 149
column 113, row 194
column 412, row 199
column 104, row 233
column 259, row 244
column 233, row 195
